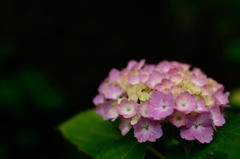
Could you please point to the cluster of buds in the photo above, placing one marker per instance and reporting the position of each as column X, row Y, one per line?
column 143, row 96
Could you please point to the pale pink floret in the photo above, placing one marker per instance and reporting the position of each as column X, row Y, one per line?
column 139, row 65
column 134, row 80
column 197, row 80
column 149, row 68
column 177, row 118
column 172, row 72
column 164, row 66
column 176, row 90
column 131, row 64
column 125, row 126
column 142, row 109
column 104, row 86
column 114, row 92
column 114, row 75
column 165, row 85
column 161, row 105
column 176, row 79
column 127, row 108
column 201, row 106
column 154, row 79
column 108, row 110
column 222, row 98
column 217, row 87
column 98, row 99
column 198, row 127
column 181, row 66
column 147, row 130
column 143, row 78
column 134, row 65
column 199, row 73
column 217, row 116
column 206, row 91
column 186, row 103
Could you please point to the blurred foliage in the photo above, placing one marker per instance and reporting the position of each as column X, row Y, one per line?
column 32, row 84
column 25, row 137
column 38, row 86
column 6, row 49
column 235, row 98
column 232, row 51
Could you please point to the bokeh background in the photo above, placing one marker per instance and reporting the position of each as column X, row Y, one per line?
column 54, row 54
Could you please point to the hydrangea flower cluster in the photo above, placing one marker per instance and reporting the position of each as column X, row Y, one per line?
column 144, row 95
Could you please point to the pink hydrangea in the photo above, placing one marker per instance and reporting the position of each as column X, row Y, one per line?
column 145, row 95
column 161, row 105
column 198, row 127
column 147, row 130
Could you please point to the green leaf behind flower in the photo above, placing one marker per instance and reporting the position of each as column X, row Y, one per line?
column 186, row 144
column 89, row 132
column 226, row 135
column 124, row 148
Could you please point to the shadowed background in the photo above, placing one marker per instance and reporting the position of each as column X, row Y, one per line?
column 54, row 54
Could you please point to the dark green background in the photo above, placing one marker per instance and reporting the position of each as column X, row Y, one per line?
column 54, row 54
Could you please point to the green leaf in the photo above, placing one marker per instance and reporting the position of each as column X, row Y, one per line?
column 175, row 152
column 89, row 132
column 124, row 148
column 225, row 135
column 186, row 144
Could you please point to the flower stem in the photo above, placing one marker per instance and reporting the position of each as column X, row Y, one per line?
column 155, row 152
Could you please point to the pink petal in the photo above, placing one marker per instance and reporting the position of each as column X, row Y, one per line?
column 198, row 127
column 131, row 64
column 176, row 90
column 127, row 108
column 217, row 116
column 142, row 136
column 204, row 134
column 139, row 65
column 164, row 66
column 114, row 92
column 177, row 118
column 144, row 78
column 217, row 87
column 164, row 85
column 197, row 80
column 206, row 91
column 98, row 99
column 133, row 80
column 205, row 119
column 135, row 119
column 154, row 79
column 201, row 106
column 147, row 130
column 156, row 132
column 184, row 66
column 198, row 72
column 176, row 79
column 185, row 102
column 161, row 105
column 104, row 86
column 114, row 74
column 109, row 111
column 222, row 98
column 125, row 126
column 187, row 134
column 99, row 110
column 142, row 109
